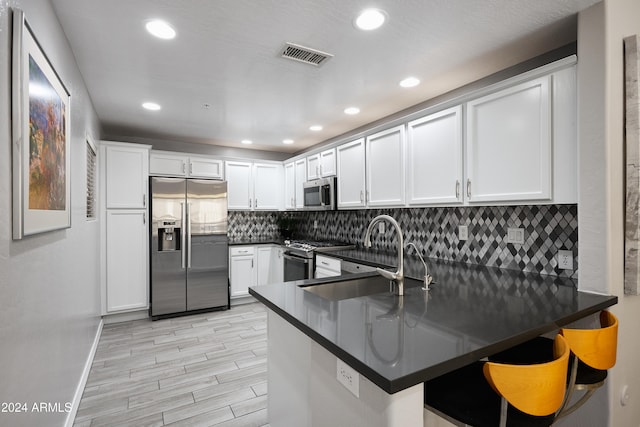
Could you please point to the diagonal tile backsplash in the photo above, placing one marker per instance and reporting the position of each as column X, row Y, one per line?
column 547, row 228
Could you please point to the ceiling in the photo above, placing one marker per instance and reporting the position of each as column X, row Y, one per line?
column 222, row 80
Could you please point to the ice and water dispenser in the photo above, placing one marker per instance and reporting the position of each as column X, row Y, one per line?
column 168, row 236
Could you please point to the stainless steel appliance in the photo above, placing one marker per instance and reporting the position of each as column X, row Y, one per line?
column 320, row 194
column 189, row 246
column 299, row 257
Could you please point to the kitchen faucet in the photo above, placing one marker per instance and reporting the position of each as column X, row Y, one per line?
column 398, row 276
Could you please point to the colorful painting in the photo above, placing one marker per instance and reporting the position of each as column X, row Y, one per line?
column 47, row 140
column 41, row 139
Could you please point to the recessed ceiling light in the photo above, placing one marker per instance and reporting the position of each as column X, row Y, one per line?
column 160, row 29
column 287, row 141
column 370, row 19
column 351, row 110
column 247, row 141
column 316, row 128
column 410, row 82
column 151, row 106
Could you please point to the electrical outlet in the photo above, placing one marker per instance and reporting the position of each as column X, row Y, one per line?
column 348, row 377
column 565, row 260
column 515, row 236
column 463, row 232
column 381, row 227
column 315, row 224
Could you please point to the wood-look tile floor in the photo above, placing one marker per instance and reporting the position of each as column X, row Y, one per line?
column 202, row 370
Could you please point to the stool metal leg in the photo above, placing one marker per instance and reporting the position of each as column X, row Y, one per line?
column 503, row 412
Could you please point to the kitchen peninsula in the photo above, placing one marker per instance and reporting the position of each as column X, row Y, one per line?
column 392, row 344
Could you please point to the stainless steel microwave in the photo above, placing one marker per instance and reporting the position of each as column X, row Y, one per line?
column 320, row 194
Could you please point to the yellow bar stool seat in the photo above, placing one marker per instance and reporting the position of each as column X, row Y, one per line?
column 488, row 394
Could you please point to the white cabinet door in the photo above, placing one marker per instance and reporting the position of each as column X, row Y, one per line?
column 301, row 178
column 242, row 269
column 267, row 182
column 126, row 260
column 163, row 164
column 239, row 188
column 351, row 174
column 509, row 144
column 276, row 271
column 127, row 171
column 328, row 163
column 290, row 185
column 434, row 158
column 202, row 167
column 313, row 167
column 386, row 167
column 264, row 265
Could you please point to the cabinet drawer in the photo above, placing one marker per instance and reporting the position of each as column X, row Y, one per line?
column 241, row 250
column 328, row 263
column 352, row 267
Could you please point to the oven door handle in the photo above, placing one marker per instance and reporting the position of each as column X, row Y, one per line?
column 296, row 258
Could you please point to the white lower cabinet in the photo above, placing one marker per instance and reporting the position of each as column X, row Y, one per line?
column 126, row 260
column 242, row 269
column 327, row 267
column 254, row 265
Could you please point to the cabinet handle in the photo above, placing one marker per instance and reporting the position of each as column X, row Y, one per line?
column 190, row 168
column 361, row 196
column 251, row 263
column 144, row 218
column 256, row 202
column 144, row 201
column 366, row 196
column 457, row 189
column 324, row 263
column 468, row 187
column 250, row 203
column 320, row 168
column 184, row 167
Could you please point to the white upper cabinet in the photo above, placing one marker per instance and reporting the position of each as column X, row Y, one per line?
column 321, row 165
column 434, row 158
column 176, row 164
column 313, row 167
column 386, row 167
column 509, row 144
column 290, row 185
column 300, row 179
column 266, row 182
column 127, row 171
column 328, row 163
column 351, row 174
column 253, row 186
column 239, row 185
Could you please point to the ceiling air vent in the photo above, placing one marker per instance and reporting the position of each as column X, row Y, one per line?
column 304, row 54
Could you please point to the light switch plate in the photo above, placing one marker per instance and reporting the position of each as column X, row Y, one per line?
column 515, row 236
column 565, row 260
column 348, row 377
column 381, row 227
column 463, row 232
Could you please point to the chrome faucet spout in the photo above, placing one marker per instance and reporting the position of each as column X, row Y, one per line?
column 398, row 276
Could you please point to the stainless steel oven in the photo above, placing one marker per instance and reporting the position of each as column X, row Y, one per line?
column 320, row 194
column 299, row 257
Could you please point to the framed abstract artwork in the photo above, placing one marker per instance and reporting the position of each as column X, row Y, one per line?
column 632, row 151
column 40, row 138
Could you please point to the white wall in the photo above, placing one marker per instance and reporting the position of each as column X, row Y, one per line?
column 601, row 205
column 49, row 284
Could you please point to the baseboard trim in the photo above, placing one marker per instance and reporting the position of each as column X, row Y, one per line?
column 71, row 416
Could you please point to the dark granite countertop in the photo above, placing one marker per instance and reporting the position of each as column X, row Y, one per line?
column 470, row 313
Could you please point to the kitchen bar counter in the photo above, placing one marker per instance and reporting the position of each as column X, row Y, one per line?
column 471, row 312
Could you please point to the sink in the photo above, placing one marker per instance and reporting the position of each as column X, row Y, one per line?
column 352, row 288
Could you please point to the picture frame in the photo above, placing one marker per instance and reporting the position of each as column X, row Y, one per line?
column 632, row 149
column 41, row 138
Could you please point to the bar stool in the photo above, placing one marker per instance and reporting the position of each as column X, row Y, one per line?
column 594, row 352
column 488, row 394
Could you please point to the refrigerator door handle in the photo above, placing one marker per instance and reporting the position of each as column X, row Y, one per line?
column 189, row 235
column 183, row 233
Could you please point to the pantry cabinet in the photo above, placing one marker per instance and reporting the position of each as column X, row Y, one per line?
column 509, row 144
column 434, row 158
column 124, row 272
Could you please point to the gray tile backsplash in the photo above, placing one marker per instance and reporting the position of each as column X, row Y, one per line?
column 547, row 228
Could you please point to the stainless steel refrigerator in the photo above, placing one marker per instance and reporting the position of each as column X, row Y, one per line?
column 189, row 246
